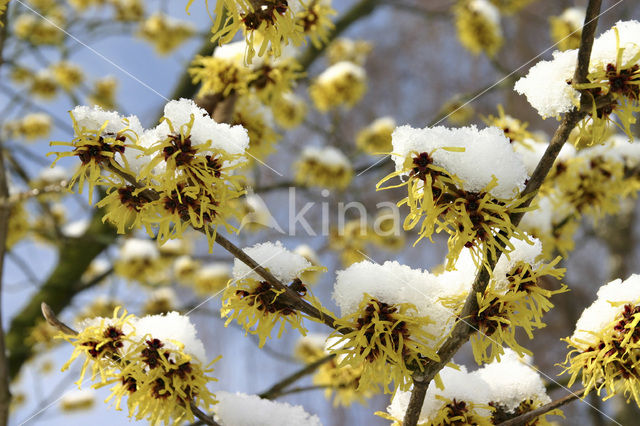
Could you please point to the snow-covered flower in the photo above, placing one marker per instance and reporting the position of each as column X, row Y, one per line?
column 614, row 70
column 211, row 278
column 267, row 27
column 289, row 110
column 248, row 410
column 157, row 363
column 254, row 303
column 139, row 260
column 495, row 393
column 315, row 21
column 478, row 26
column 566, row 29
column 512, row 300
column 376, row 137
column 325, row 167
column 77, row 400
column 342, row 84
column 395, row 321
column 463, row 181
column 345, row 49
column 165, row 33
column 605, row 346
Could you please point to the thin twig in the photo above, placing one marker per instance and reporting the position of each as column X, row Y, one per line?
column 524, row 419
column 5, row 212
column 53, row 320
column 288, row 297
column 463, row 329
column 279, row 388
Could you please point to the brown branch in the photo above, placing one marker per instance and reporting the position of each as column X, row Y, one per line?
column 53, row 320
column 418, row 393
column 525, row 418
column 288, row 297
column 463, row 329
column 5, row 213
column 279, row 388
column 204, row 418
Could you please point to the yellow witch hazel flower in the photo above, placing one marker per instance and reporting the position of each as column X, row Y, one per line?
column 566, row 29
column 513, row 128
column 345, row 49
column 376, row 137
column 222, row 73
column 289, row 110
column 513, row 299
column 67, row 75
column 592, row 181
column 103, row 93
column 458, row 111
column 614, row 70
column 189, row 160
column 254, row 303
column 498, row 392
column 156, row 363
column 100, row 140
column 139, row 260
column 77, row 400
column 267, row 24
column 211, row 278
column 510, row 6
column 183, row 168
column 605, row 347
column 258, row 120
column 342, row 84
column 128, row 10
column 478, row 26
column 43, row 85
column 465, row 182
column 165, row 33
column 342, row 382
column 315, row 21
column 351, row 241
column 3, row 8
column 395, row 319
column 325, row 167
column 32, row 126
column 225, row 73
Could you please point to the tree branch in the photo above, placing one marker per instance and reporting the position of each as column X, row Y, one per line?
column 279, row 388
column 5, row 212
column 524, row 419
column 289, row 296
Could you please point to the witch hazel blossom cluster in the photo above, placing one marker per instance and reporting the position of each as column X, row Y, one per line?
column 512, row 300
column 255, row 304
column 395, row 319
column 325, row 167
column 465, row 182
column 156, row 363
column 187, row 161
column 614, row 70
column 495, row 393
column 605, row 346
